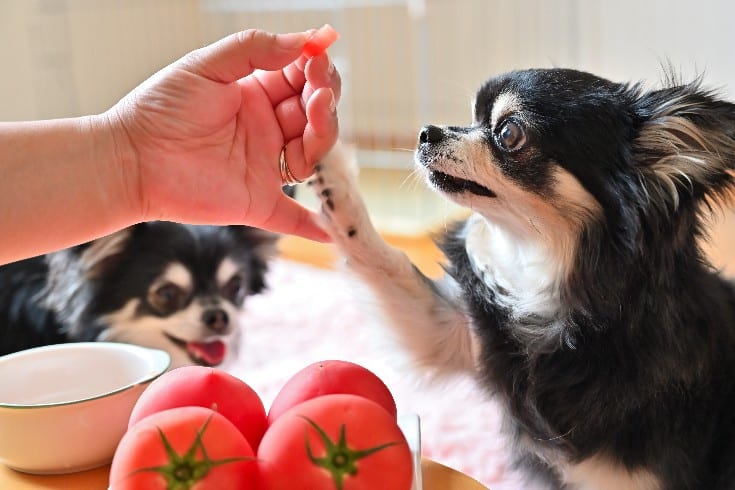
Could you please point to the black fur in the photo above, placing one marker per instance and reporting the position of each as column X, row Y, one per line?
column 645, row 373
column 623, row 361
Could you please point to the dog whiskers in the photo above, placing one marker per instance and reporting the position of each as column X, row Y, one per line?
column 413, row 177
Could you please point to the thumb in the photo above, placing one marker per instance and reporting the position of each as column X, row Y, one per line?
column 290, row 217
column 239, row 54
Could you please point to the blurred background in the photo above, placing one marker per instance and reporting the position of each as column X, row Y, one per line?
column 404, row 63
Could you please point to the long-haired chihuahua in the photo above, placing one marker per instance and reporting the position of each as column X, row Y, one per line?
column 180, row 288
column 577, row 290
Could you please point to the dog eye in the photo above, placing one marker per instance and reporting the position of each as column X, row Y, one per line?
column 234, row 289
column 510, row 136
column 167, row 298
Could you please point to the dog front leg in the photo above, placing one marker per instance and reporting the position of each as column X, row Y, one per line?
column 427, row 316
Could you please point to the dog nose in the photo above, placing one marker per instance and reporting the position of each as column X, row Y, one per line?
column 216, row 320
column 431, row 134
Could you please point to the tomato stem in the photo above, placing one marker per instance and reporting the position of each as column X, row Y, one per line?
column 182, row 472
column 340, row 459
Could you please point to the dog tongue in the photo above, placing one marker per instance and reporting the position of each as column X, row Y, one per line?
column 210, row 353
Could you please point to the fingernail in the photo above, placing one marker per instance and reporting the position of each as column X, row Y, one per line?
column 291, row 40
column 330, row 70
column 332, row 103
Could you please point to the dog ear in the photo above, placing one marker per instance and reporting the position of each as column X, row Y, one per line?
column 67, row 284
column 90, row 260
column 101, row 254
column 685, row 148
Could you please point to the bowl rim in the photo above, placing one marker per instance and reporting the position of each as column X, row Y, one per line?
column 156, row 354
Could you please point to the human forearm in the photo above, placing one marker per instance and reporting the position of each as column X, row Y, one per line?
column 198, row 142
column 64, row 182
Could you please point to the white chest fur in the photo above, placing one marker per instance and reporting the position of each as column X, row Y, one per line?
column 524, row 274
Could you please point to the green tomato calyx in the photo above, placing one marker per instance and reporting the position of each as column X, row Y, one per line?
column 183, row 471
column 340, row 459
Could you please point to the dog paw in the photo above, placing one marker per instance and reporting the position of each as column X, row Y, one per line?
column 335, row 184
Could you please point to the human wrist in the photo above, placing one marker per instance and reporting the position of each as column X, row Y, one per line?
column 114, row 150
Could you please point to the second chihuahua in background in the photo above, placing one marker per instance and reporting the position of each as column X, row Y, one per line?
column 179, row 288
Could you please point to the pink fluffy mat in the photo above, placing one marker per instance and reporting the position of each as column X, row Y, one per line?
column 312, row 314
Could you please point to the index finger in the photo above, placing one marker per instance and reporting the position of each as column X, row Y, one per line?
column 282, row 84
column 239, row 54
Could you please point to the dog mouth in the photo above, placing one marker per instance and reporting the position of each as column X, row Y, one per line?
column 454, row 185
column 209, row 353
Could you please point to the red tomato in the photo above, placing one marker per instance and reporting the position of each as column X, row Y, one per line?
column 335, row 442
column 320, row 40
column 205, row 387
column 182, row 447
column 329, row 377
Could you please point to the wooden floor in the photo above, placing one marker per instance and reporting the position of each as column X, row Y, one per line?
column 423, row 252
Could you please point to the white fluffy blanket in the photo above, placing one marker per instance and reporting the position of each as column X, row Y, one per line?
column 310, row 314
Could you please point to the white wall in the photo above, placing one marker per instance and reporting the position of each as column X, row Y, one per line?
column 628, row 39
column 625, row 40
column 410, row 62
column 405, row 62
column 68, row 57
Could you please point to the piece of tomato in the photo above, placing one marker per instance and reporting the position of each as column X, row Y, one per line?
column 205, row 387
column 320, row 40
column 331, row 377
column 335, row 442
column 185, row 448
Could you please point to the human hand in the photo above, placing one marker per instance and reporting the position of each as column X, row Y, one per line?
column 200, row 140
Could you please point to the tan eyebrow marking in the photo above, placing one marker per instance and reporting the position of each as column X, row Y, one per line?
column 177, row 274
column 226, row 270
column 504, row 104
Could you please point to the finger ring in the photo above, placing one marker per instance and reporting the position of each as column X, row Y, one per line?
column 286, row 176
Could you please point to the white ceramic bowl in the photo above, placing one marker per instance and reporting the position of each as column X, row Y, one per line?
column 64, row 408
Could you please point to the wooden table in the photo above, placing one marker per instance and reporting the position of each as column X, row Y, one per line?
column 435, row 475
